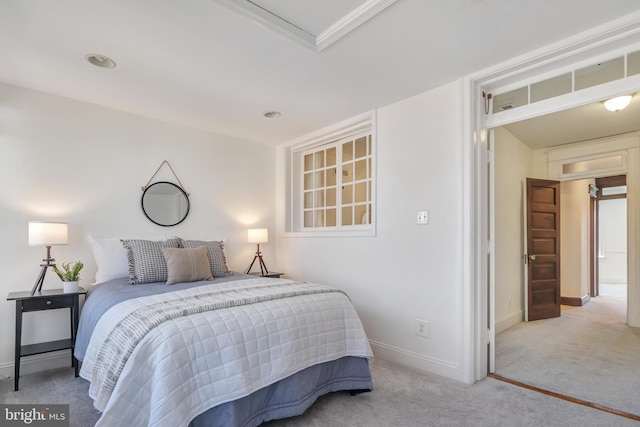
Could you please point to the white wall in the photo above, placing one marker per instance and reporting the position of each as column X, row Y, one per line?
column 407, row 271
column 613, row 241
column 574, row 238
column 513, row 164
column 76, row 162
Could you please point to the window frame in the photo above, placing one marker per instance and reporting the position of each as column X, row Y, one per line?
column 294, row 185
column 319, row 167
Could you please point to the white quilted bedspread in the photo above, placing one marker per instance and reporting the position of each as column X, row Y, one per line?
column 187, row 365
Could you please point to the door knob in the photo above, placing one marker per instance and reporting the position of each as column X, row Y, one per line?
column 532, row 257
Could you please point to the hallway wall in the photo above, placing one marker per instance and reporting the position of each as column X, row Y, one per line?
column 513, row 164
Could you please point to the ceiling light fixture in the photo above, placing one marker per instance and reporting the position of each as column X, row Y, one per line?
column 272, row 114
column 618, row 103
column 100, row 60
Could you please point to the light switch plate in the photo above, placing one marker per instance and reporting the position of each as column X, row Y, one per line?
column 423, row 217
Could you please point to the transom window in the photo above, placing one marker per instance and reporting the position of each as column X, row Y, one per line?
column 337, row 184
column 602, row 72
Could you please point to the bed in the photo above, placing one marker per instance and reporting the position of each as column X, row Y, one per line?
column 225, row 350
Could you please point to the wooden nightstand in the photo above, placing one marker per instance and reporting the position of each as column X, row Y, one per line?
column 45, row 300
column 269, row 274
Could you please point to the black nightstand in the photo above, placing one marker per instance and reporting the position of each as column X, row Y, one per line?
column 269, row 274
column 45, row 300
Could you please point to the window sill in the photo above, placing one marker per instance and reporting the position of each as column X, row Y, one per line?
column 350, row 233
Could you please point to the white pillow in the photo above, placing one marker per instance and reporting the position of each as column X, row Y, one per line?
column 111, row 257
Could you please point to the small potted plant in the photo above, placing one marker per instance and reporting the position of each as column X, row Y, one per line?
column 70, row 275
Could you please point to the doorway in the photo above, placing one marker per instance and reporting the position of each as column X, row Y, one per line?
column 513, row 164
column 610, row 250
column 479, row 92
column 528, row 360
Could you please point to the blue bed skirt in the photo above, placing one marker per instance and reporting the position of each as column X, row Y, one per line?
column 291, row 396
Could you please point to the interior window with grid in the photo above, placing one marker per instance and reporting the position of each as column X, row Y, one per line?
column 337, row 181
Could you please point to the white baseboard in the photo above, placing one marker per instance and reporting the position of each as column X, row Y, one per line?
column 37, row 363
column 61, row 359
column 414, row 360
column 509, row 321
column 613, row 280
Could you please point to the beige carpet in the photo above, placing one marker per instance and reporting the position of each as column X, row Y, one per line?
column 402, row 397
column 552, row 354
column 588, row 353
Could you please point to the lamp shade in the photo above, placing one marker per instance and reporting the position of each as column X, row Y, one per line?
column 258, row 235
column 47, row 233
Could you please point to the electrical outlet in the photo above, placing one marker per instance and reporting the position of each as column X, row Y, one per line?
column 422, row 328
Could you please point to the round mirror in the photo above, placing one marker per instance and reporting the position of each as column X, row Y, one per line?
column 165, row 204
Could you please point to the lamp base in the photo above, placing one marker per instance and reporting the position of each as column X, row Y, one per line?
column 48, row 262
column 263, row 267
column 40, row 280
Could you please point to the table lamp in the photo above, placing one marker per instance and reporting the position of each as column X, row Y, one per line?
column 46, row 234
column 258, row 235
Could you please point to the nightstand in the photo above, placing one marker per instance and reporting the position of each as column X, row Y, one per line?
column 45, row 300
column 269, row 274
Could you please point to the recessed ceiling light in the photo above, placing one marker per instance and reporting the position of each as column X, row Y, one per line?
column 272, row 114
column 618, row 103
column 100, row 60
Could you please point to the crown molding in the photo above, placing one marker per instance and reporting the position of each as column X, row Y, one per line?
column 350, row 22
column 317, row 43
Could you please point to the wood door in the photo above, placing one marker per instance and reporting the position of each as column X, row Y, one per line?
column 543, row 249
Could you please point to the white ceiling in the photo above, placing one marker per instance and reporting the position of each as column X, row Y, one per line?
column 203, row 64
column 578, row 124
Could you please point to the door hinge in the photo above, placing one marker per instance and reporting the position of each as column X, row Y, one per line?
column 489, row 156
column 489, row 247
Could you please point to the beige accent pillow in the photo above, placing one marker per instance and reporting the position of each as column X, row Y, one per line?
column 187, row 264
